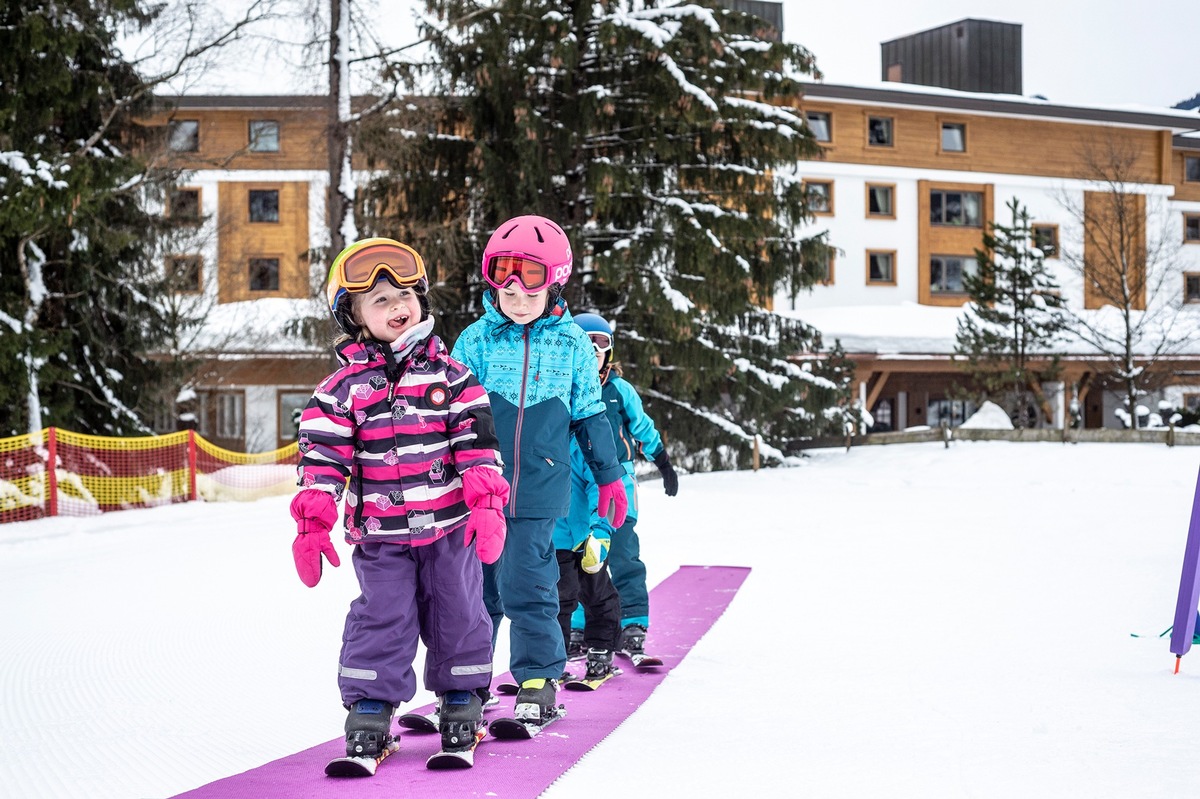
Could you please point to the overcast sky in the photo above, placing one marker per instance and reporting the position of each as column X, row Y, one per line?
column 1080, row 52
column 1077, row 52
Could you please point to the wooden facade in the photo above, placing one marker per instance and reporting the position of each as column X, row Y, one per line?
column 242, row 241
column 1020, row 145
column 894, row 137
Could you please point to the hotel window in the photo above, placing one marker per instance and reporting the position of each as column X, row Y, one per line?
column 1191, row 169
column 1191, row 286
column 291, row 404
column 1045, row 238
column 264, row 274
column 821, row 125
column 820, row 196
column 183, row 273
column 1191, row 228
column 953, row 411
column 183, row 135
column 881, row 267
column 264, row 205
column 879, row 131
column 946, row 273
column 882, row 413
column 230, row 415
column 954, row 137
column 184, row 204
column 264, row 136
column 957, row 208
column 823, row 270
column 881, row 201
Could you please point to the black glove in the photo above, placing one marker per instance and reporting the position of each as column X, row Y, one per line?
column 670, row 479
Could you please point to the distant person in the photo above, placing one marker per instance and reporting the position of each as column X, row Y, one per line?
column 636, row 433
column 409, row 431
column 581, row 541
column 540, row 374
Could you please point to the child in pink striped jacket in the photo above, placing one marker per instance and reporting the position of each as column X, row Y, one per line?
column 408, row 430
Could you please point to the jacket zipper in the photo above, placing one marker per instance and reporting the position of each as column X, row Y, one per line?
column 512, row 502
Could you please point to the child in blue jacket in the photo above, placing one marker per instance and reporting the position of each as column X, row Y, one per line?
column 581, row 543
column 635, row 432
column 540, row 374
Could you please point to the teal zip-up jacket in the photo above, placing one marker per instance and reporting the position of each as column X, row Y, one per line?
column 543, row 385
column 632, row 426
column 583, row 519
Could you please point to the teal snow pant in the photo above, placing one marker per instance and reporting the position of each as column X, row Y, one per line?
column 523, row 586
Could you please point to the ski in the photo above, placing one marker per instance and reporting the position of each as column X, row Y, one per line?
column 426, row 723
column 584, row 684
column 361, row 766
column 419, row 722
column 445, row 761
column 507, row 688
column 520, row 730
column 641, row 661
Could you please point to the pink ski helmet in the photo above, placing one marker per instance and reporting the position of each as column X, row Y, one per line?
column 531, row 250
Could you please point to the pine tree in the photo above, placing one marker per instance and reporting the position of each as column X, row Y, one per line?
column 664, row 140
column 77, row 285
column 1013, row 317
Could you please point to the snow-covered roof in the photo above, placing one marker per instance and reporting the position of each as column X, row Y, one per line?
column 909, row 94
column 912, row 330
column 257, row 326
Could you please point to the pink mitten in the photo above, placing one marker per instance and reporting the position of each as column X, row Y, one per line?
column 612, row 496
column 487, row 527
column 315, row 513
column 486, row 493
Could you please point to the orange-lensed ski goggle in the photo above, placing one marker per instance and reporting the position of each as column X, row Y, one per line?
column 502, row 269
column 361, row 264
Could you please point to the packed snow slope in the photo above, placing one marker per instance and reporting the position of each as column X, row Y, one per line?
column 919, row 621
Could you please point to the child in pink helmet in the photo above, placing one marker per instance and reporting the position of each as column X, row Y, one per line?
column 540, row 375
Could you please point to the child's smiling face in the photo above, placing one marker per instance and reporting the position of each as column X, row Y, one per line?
column 386, row 311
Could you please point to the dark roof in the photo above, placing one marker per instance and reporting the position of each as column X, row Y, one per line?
column 974, row 22
column 910, row 94
column 243, row 101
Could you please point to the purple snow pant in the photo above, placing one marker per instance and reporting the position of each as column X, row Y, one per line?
column 434, row 591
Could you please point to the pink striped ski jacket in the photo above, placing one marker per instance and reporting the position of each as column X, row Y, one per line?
column 399, row 435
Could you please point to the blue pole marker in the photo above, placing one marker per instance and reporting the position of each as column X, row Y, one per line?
column 1189, row 587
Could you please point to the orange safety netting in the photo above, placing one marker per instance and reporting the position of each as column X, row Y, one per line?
column 96, row 474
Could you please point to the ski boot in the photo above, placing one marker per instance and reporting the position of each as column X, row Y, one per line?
column 633, row 640
column 599, row 664
column 575, row 648
column 459, row 715
column 536, row 701
column 368, row 728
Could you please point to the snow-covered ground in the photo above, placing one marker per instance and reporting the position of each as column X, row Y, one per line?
column 919, row 622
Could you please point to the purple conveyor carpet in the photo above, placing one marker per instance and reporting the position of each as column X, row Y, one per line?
column 684, row 607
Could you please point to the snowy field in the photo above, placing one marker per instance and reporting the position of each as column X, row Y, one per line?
column 919, row 622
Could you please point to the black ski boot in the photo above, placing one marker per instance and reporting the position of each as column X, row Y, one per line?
column 633, row 640
column 599, row 664
column 536, row 701
column 575, row 648
column 459, row 715
column 368, row 728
